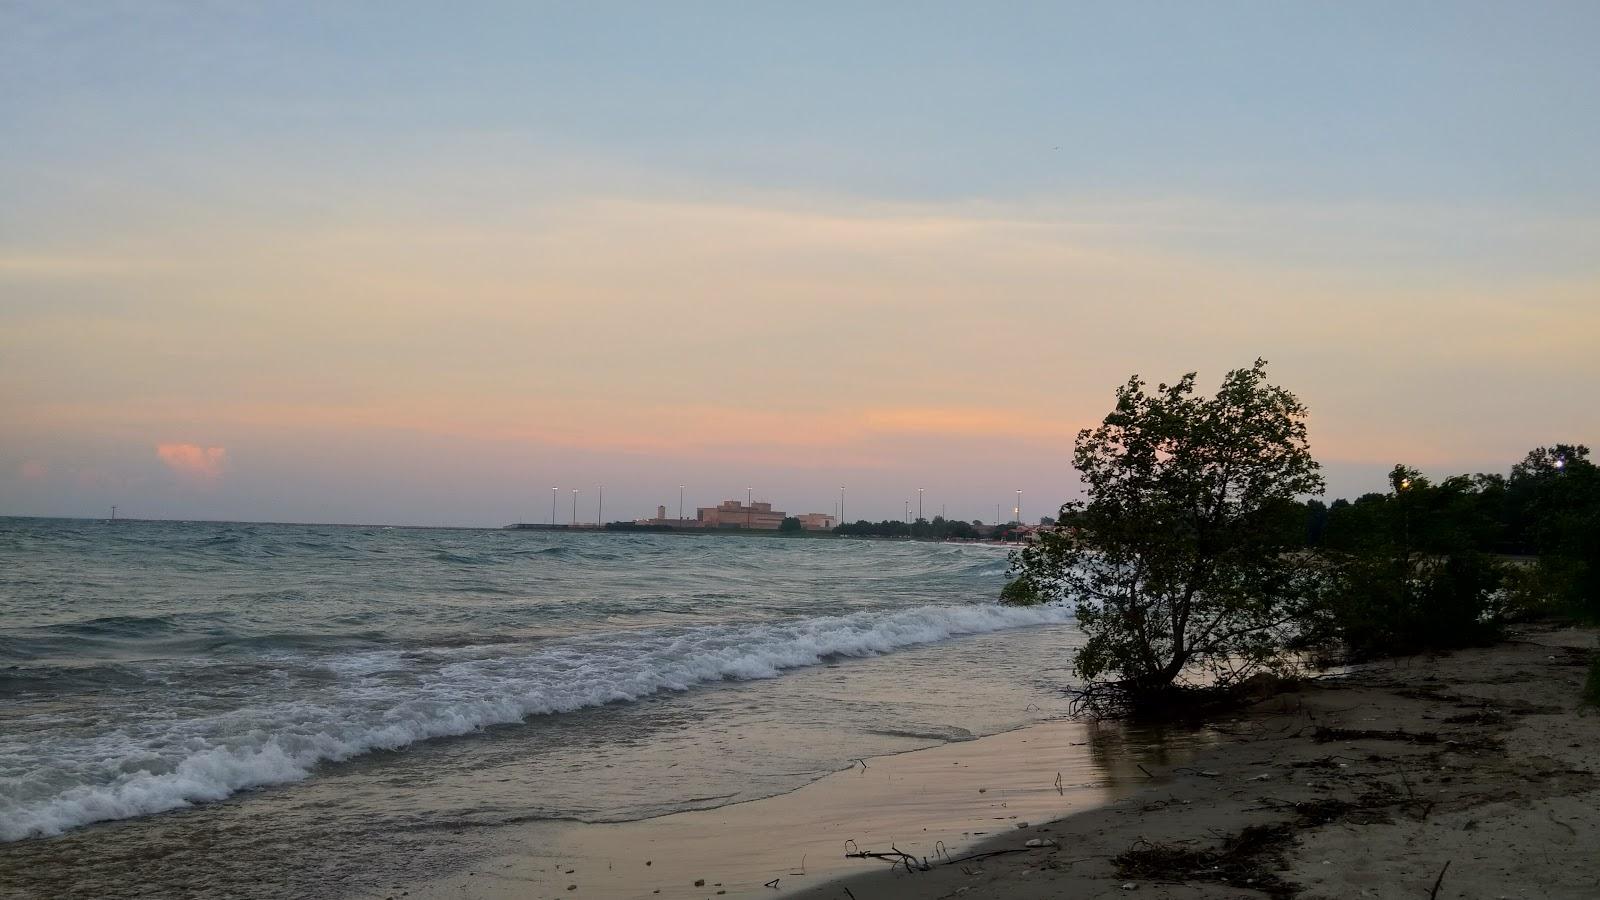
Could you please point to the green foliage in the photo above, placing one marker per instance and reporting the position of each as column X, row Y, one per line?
column 939, row 529
column 1406, row 574
column 1386, row 604
column 1557, row 493
column 790, row 525
column 1020, row 592
column 1179, row 563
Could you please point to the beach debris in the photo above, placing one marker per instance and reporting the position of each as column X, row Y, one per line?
column 772, row 884
column 699, row 882
column 572, row 887
column 1036, row 843
column 1130, row 886
column 1434, row 894
column 1210, row 774
column 1324, row 735
column 1249, row 858
column 647, row 862
column 894, row 855
column 983, row 790
column 1264, row 776
column 1144, row 770
column 1022, row 824
column 1059, row 789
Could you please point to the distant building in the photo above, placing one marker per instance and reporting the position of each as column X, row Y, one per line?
column 818, row 521
column 758, row 516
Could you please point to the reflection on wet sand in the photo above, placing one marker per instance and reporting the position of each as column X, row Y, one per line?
column 925, row 802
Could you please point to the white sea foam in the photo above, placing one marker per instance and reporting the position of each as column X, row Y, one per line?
column 387, row 702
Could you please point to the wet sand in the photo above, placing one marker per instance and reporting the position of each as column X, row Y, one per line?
column 1368, row 785
column 926, row 802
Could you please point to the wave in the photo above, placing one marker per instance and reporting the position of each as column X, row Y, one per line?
column 394, row 700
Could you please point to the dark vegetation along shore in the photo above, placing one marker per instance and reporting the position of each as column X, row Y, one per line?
column 1196, row 564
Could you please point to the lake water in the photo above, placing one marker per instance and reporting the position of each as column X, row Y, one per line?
column 272, row 710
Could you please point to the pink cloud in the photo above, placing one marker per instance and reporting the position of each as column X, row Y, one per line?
column 34, row 470
column 193, row 460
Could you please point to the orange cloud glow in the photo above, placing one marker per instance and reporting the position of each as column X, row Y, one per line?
column 193, row 460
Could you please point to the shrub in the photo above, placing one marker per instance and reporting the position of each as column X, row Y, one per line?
column 1181, row 563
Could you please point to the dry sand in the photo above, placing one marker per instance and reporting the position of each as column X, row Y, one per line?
column 1360, row 786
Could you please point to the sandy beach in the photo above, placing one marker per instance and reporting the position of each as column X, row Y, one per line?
column 1466, row 775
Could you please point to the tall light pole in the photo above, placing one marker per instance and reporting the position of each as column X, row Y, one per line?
column 680, row 503
column 574, row 507
column 599, row 507
column 841, row 504
column 553, row 491
column 919, row 504
column 748, row 507
column 1019, row 506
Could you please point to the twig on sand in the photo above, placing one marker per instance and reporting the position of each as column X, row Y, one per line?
column 1059, row 789
column 772, row 884
column 1144, row 770
column 1434, row 894
column 893, row 855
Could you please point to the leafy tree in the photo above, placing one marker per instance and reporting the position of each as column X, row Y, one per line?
column 1555, row 493
column 790, row 525
column 1178, row 561
column 1408, row 574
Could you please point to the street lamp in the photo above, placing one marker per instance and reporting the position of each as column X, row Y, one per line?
column 599, row 506
column 841, row 504
column 748, row 507
column 680, row 503
column 919, row 504
column 1019, row 506
column 553, row 492
column 574, row 507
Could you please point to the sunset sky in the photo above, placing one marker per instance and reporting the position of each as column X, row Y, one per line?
column 384, row 262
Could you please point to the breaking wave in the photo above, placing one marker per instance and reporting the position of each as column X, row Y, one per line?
column 386, row 700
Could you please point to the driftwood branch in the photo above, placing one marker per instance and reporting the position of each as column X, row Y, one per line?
column 1434, row 894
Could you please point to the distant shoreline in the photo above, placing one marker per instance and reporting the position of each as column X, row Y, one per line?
column 520, row 526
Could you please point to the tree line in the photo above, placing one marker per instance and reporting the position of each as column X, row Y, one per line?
column 1196, row 559
column 936, row 529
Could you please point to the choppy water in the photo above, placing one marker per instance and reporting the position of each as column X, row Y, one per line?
column 314, row 680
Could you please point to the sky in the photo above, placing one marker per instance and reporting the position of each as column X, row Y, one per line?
column 418, row 263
